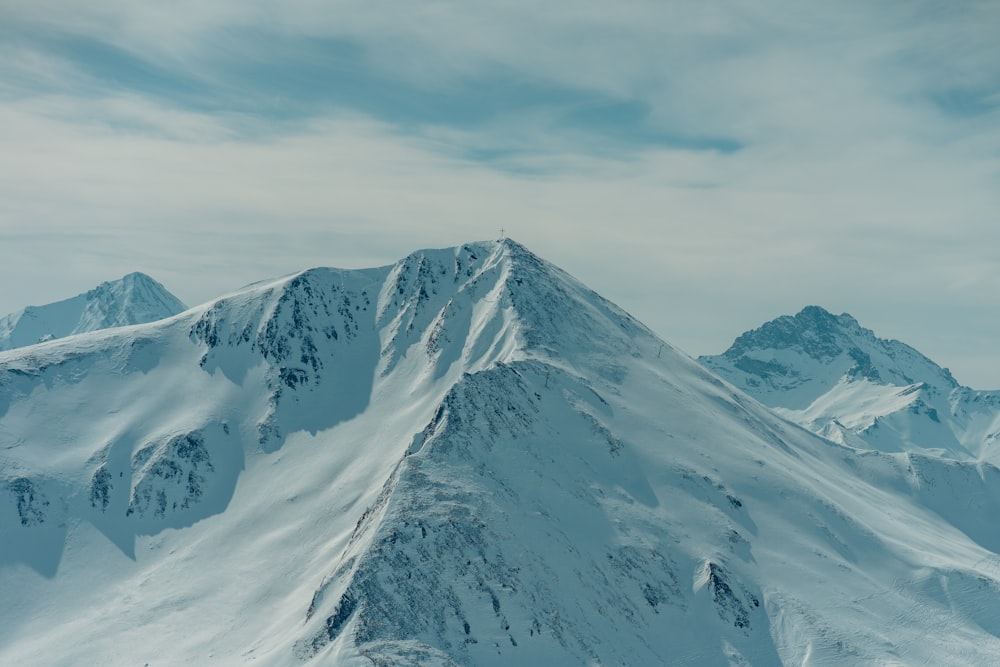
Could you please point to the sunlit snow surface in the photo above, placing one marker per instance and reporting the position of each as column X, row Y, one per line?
column 466, row 458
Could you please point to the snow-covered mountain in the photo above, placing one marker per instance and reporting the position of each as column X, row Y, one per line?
column 838, row 379
column 133, row 299
column 466, row 458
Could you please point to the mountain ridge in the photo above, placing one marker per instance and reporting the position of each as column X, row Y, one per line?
column 466, row 457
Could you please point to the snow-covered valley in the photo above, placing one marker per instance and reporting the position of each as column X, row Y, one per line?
column 465, row 458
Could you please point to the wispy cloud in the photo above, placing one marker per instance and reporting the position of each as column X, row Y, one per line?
column 708, row 166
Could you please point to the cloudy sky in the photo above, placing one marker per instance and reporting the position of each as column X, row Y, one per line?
column 708, row 166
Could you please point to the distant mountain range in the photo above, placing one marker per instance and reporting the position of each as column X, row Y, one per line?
column 133, row 299
column 469, row 458
column 839, row 380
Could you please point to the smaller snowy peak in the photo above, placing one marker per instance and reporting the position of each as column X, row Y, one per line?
column 814, row 331
column 133, row 299
column 839, row 380
column 792, row 360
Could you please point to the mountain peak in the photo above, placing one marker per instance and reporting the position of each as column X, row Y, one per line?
column 135, row 279
column 130, row 281
column 133, row 299
column 813, row 331
column 838, row 379
column 822, row 318
column 792, row 360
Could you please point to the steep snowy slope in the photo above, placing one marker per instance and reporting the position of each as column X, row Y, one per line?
column 466, row 458
column 838, row 379
column 134, row 299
